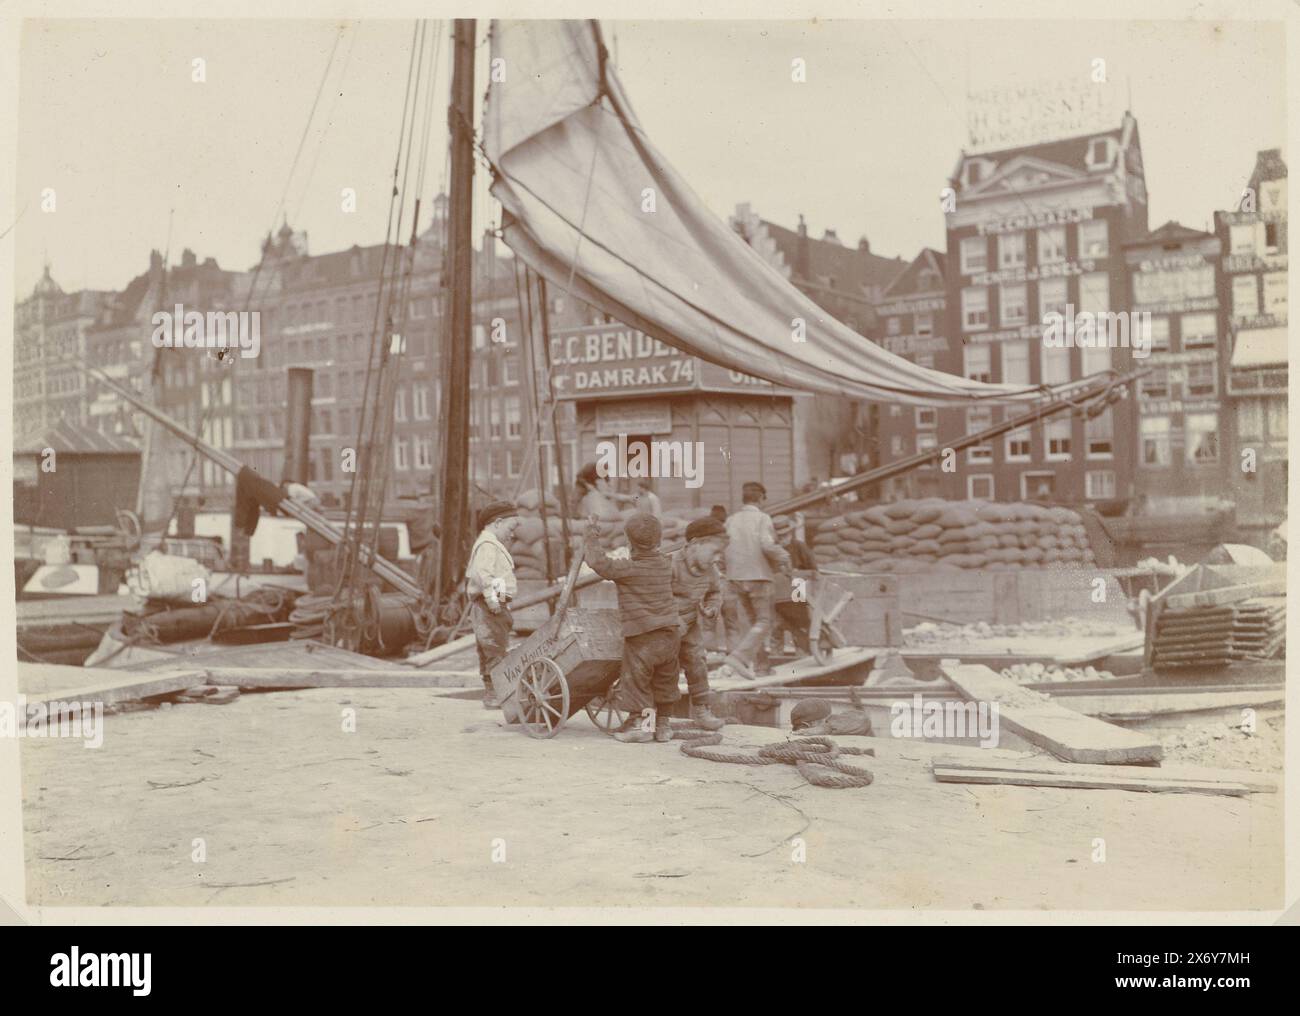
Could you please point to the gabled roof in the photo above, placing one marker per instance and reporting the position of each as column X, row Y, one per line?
column 1068, row 153
column 1269, row 165
column 852, row 268
column 71, row 439
column 908, row 282
column 1170, row 232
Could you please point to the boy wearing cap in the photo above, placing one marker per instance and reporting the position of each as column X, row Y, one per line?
column 651, row 630
column 490, row 585
column 697, row 588
column 753, row 557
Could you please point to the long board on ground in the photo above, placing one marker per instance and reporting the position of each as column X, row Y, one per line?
column 1066, row 781
column 974, row 762
column 45, row 683
column 1066, row 734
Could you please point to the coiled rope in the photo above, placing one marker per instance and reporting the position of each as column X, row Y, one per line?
column 810, row 755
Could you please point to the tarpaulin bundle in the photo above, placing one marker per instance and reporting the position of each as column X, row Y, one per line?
column 572, row 169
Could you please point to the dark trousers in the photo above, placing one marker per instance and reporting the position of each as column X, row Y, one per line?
column 491, row 636
column 691, row 658
column 753, row 608
column 649, row 675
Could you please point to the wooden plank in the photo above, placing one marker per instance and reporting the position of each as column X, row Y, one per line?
column 1064, row 732
column 1017, row 779
column 108, row 687
column 1138, row 706
column 296, row 677
column 801, row 670
column 1077, row 658
column 1261, row 783
column 1227, row 594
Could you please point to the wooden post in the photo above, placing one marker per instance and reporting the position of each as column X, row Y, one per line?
column 458, row 347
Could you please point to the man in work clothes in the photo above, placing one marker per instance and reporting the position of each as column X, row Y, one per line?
column 753, row 557
column 651, row 630
column 697, row 588
column 490, row 585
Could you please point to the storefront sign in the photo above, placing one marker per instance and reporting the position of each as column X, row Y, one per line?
column 921, row 305
column 603, row 361
column 916, row 344
column 1032, row 220
column 634, row 418
column 1064, row 269
column 1005, row 335
column 1164, row 407
column 1236, row 263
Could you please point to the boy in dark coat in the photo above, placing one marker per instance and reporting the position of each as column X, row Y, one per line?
column 651, row 630
column 697, row 588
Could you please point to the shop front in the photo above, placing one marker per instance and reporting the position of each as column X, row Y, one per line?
column 698, row 430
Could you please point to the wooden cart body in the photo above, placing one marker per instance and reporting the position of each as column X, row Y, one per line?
column 586, row 644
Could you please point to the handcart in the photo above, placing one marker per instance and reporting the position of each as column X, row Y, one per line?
column 570, row 663
column 809, row 613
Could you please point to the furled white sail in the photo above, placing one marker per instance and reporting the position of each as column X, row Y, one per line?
column 574, row 172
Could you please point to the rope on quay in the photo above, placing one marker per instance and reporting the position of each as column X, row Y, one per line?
column 810, row 755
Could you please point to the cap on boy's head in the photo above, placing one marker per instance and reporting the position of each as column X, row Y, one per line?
column 587, row 474
column 703, row 529
column 752, row 491
column 643, row 531
column 495, row 510
column 808, row 712
column 719, row 512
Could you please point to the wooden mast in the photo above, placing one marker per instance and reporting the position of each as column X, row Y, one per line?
column 457, row 346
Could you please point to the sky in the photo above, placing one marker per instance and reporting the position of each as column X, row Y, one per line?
column 140, row 156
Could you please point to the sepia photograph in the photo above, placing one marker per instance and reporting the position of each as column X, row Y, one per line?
column 757, row 463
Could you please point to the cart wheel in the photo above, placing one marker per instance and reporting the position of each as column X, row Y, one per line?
column 542, row 698
column 828, row 640
column 604, row 713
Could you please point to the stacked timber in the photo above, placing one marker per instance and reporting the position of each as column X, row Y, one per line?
column 938, row 535
column 1220, row 635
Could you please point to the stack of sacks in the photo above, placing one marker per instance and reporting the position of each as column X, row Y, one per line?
column 528, row 547
column 938, row 535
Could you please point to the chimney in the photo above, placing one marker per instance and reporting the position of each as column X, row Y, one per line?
column 830, row 236
column 802, row 257
column 188, row 259
column 864, row 245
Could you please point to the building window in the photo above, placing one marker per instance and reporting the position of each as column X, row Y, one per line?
column 1037, row 486
column 975, row 309
column 1202, row 379
column 1018, row 446
column 399, row 407
column 1099, row 485
column 1056, row 435
column 1052, row 296
column 1159, row 333
column 1055, row 365
column 894, row 326
column 978, row 362
column 512, row 417
column 423, row 453
column 1250, row 419
column 1275, row 294
column 1271, row 237
column 927, row 419
column 1011, row 250
column 399, row 455
column 974, row 255
column 1100, row 152
column 1276, row 416
column 1014, row 305
column 1155, row 441
column 480, row 337
column 1094, row 239
column 420, row 402
column 509, row 371
column 1156, row 384
column 925, row 443
column 896, row 447
column 512, row 466
column 494, row 422
column 979, row 418
column 1095, row 358
column 1015, row 363
column 1245, row 296
column 1099, row 435
column 1202, row 431
column 1199, row 331
column 980, row 486
column 1051, row 245
column 924, row 325
column 1094, row 292
column 1241, row 238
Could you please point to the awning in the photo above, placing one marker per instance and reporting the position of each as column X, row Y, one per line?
column 592, row 205
column 1259, row 347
